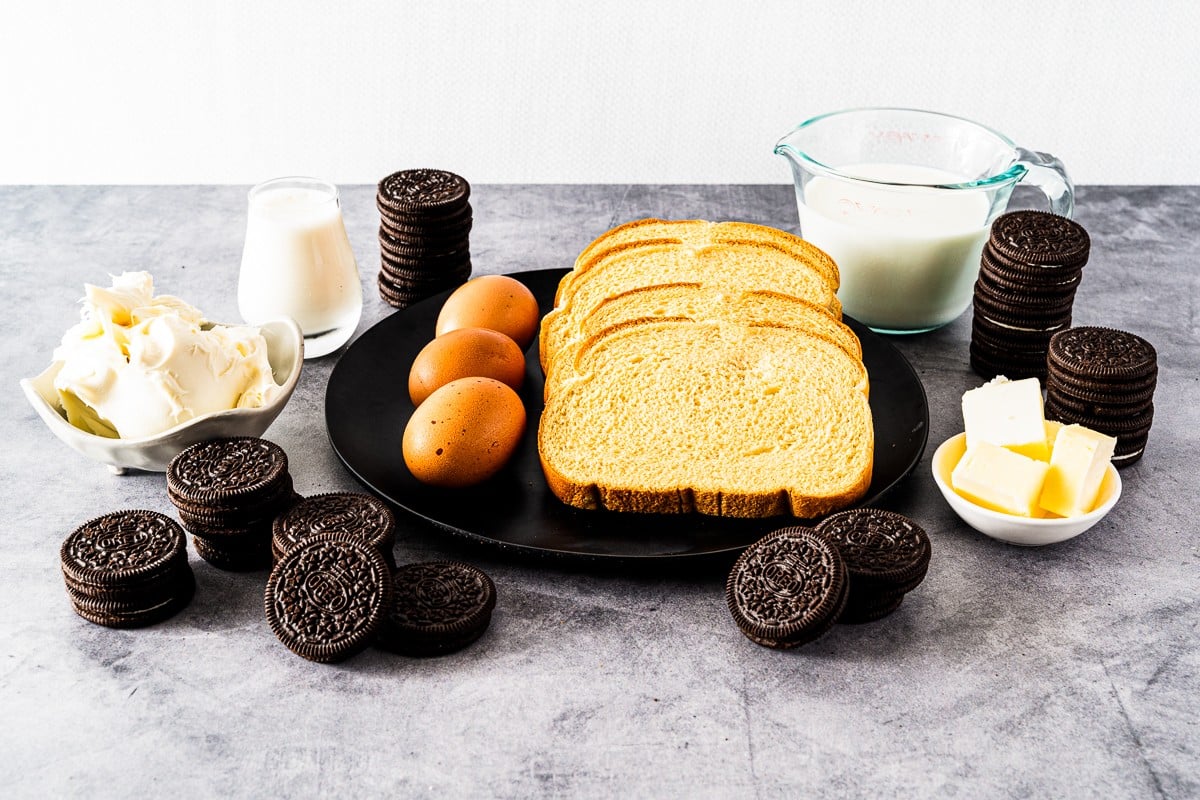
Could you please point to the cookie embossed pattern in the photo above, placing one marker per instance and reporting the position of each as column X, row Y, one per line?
column 886, row 554
column 347, row 514
column 326, row 599
column 788, row 588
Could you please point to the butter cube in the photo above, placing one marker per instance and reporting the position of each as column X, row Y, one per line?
column 1009, row 414
column 997, row 478
column 1077, row 465
column 1052, row 429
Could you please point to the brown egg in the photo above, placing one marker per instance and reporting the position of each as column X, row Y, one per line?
column 492, row 301
column 464, row 432
column 465, row 353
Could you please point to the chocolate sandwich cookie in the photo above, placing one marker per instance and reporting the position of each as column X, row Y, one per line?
column 423, row 223
column 1104, row 355
column 885, row 552
column 229, row 521
column 425, row 242
column 886, row 555
column 431, row 268
column 1025, row 329
column 419, row 261
column 422, row 192
column 1108, row 391
column 328, row 596
column 402, row 292
column 127, row 569
column 360, row 516
column 1105, row 379
column 249, row 552
column 1089, row 407
column 1051, row 280
column 411, row 231
column 226, row 474
column 228, row 492
column 1021, row 318
column 1129, row 450
column 990, row 364
column 1039, row 304
column 996, row 338
column 788, row 588
column 1025, row 358
column 858, row 612
column 396, row 297
column 137, row 591
column 439, row 607
column 420, row 277
column 120, row 548
column 141, row 613
column 1113, row 426
column 1039, row 238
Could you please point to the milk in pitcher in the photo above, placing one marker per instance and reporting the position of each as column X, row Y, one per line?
column 919, row 244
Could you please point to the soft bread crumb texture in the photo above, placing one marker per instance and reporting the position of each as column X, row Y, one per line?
column 698, row 303
column 732, row 420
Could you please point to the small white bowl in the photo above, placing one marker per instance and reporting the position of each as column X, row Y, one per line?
column 1012, row 529
column 285, row 353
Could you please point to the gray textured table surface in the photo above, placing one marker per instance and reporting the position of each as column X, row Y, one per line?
column 1066, row 671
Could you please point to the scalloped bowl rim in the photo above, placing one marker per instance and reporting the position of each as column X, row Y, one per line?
column 285, row 347
column 1012, row 529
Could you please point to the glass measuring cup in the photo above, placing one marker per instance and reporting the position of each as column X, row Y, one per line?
column 903, row 201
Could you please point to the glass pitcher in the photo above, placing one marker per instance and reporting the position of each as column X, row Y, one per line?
column 903, row 201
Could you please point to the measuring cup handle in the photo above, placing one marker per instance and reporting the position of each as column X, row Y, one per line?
column 1048, row 174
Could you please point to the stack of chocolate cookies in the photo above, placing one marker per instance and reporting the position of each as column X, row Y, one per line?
column 1104, row 379
column 228, row 493
column 886, row 555
column 359, row 516
column 424, row 232
column 1031, row 267
column 127, row 569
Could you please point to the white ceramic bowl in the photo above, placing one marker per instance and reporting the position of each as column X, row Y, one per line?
column 285, row 352
column 1006, row 527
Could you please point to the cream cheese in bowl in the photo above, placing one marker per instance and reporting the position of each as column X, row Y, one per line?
column 132, row 381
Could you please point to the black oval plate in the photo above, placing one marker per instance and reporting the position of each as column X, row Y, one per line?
column 367, row 407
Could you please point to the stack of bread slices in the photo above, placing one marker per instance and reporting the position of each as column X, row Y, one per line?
column 695, row 366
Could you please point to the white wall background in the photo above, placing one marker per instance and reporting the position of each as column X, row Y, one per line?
column 234, row 91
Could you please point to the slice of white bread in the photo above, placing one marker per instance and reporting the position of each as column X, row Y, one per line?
column 698, row 233
column 729, row 268
column 670, row 416
column 700, row 303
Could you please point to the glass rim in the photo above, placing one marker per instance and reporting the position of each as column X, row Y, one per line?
column 294, row 182
column 1011, row 175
